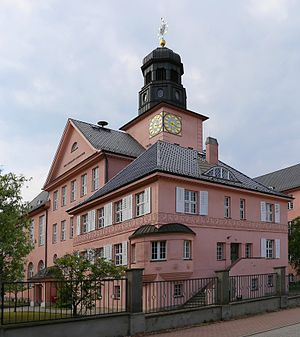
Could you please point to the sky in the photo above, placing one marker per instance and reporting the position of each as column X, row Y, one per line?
column 81, row 59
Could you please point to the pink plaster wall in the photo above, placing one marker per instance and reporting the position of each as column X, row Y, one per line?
column 295, row 212
column 191, row 135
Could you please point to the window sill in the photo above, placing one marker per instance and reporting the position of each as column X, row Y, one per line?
column 187, row 259
column 158, row 260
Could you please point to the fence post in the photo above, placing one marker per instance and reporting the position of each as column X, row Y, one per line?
column 281, row 286
column 223, row 287
column 281, row 281
column 134, row 302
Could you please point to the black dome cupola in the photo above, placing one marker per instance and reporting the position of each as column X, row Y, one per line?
column 162, row 70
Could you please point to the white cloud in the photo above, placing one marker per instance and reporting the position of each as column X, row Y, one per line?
column 277, row 10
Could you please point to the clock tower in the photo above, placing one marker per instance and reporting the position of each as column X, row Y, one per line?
column 162, row 71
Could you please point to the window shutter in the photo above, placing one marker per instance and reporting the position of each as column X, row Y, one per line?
column 203, row 203
column 147, row 200
column 263, row 213
column 179, row 199
column 107, row 252
column 277, row 248
column 93, row 220
column 129, row 207
column 263, row 247
column 78, row 225
column 124, row 253
column 108, row 214
column 277, row 213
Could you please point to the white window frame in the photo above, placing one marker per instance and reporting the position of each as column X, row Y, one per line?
column 158, row 250
column 95, row 178
column 83, row 189
column 100, row 217
column 187, row 249
column 248, row 250
column 220, row 251
column 190, row 202
column 270, row 247
column 63, row 230
column 54, row 233
column 63, row 196
column 73, row 190
column 178, row 290
column 118, row 254
column 227, row 207
column 117, row 292
column 42, row 230
column 85, row 223
column 118, row 211
column 242, row 209
column 140, row 203
column 71, row 227
column 55, row 200
column 269, row 212
column 290, row 205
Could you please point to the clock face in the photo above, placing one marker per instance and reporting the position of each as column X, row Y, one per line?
column 155, row 125
column 172, row 124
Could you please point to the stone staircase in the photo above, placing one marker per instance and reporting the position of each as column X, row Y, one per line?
column 198, row 300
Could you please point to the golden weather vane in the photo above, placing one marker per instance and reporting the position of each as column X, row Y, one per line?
column 162, row 31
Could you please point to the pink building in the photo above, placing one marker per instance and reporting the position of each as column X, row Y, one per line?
column 153, row 196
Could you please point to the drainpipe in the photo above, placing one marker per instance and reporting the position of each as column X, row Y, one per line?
column 46, row 239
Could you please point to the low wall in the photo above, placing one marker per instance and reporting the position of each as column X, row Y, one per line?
column 108, row 326
column 128, row 324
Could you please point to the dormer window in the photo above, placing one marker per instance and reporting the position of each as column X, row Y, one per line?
column 220, row 172
column 74, row 147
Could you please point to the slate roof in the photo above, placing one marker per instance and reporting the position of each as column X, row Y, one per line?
column 39, row 201
column 177, row 160
column 106, row 139
column 282, row 180
column 163, row 229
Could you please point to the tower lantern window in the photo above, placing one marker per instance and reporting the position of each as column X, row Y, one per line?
column 174, row 76
column 148, row 77
column 160, row 74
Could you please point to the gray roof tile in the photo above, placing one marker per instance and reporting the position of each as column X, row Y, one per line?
column 282, row 180
column 174, row 159
column 38, row 201
column 109, row 140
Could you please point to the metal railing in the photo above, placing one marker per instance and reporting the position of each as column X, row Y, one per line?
column 246, row 287
column 50, row 300
column 293, row 284
column 169, row 295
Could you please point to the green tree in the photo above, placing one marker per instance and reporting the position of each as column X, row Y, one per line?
column 294, row 244
column 81, row 280
column 15, row 243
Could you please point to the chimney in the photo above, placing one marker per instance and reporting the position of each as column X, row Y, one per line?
column 212, row 150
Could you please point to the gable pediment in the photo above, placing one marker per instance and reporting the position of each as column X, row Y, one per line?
column 73, row 148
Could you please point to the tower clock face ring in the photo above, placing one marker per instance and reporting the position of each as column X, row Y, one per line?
column 155, row 125
column 172, row 123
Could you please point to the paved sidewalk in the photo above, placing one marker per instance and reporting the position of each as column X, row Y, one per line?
column 240, row 327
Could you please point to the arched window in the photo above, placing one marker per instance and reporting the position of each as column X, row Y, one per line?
column 41, row 266
column 148, row 77
column 174, row 76
column 30, row 270
column 74, row 147
column 160, row 74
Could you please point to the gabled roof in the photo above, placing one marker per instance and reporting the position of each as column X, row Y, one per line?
column 177, row 160
column 282, row 180
column 102, row 138
column 39, row 201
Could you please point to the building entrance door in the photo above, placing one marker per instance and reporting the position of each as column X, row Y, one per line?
column 234, row 251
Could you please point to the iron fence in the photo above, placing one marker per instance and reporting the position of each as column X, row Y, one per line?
column 48, row 300
column 169, row 295
column 246, row 287
column 293, row 284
